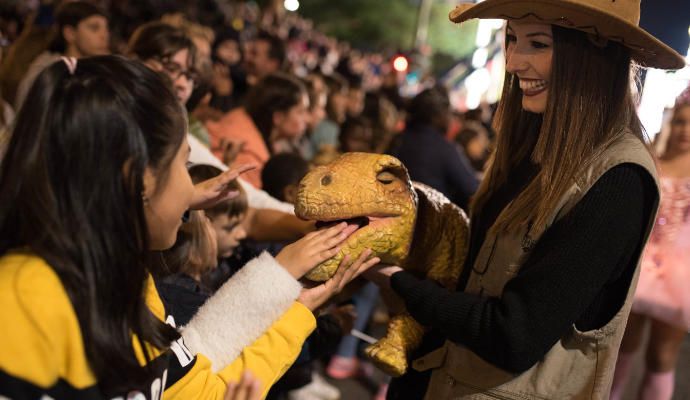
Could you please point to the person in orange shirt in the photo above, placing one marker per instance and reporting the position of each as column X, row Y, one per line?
column 272, row 121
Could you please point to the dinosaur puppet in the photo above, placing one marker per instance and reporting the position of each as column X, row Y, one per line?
column 405, row 224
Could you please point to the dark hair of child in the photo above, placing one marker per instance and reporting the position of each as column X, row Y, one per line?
column 281, row 171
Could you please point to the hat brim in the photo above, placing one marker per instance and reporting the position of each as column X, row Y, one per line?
column 646, row 50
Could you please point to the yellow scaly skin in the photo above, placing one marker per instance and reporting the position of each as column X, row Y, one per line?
column 422, row 231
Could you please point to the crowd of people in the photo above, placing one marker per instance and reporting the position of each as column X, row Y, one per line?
column 151, row 157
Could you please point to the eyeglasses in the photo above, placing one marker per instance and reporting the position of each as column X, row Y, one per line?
column 174, row 70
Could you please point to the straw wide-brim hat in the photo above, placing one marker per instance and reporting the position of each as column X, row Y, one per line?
column 616, row 20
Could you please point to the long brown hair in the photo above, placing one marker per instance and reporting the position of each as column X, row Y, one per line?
column 590, row 105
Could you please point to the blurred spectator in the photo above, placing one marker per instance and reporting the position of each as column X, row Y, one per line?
column 355, row 97
column 265, row 55
column 356, row 136
column 81, row 31
column 325, row 135
column 318, row 96
column 483, row 114
column 170, row 51
column 281, row 176
column 426, row 153
column 273, row 120
column 228, row 75
column 473, row 140
column 167, row 50
column 384, row 118
column 391, row 89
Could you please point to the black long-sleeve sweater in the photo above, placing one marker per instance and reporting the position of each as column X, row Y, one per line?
column 579, row 272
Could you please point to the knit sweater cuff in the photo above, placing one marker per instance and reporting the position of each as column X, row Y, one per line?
column 432, row 305
column 419, row 295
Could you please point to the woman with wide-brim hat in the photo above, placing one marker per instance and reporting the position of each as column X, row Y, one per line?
column 560, row 221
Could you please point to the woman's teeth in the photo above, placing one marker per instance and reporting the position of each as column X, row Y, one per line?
column 533, row 86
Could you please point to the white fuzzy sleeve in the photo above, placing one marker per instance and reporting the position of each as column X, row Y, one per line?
column 241, row 311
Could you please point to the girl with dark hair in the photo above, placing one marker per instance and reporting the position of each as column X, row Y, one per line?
column 273, row 119
column 93, row 183
column 558, row 224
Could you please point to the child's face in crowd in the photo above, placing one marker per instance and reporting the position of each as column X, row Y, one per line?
column 90, row 37
column 338, row 103
column 229, row 232
column 529, row 50
column 359, row 140
column 355, row 102
column 177, row 69
column 293, row 122
column 166, row 198
column 679, row 139
column 318, row 112
column 229, row 52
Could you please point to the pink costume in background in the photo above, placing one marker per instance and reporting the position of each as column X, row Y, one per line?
column 662, row 291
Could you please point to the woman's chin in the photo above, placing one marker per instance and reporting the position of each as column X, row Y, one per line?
column 534, row 104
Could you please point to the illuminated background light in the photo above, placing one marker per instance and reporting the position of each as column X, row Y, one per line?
column 400, row 64
column 291, row 5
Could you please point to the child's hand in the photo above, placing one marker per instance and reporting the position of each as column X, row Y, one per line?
column 314, row 248
column 249, row 388
column 314, row 297
column 211, row 192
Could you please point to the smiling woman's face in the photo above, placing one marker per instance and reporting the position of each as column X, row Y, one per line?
column 529, row 51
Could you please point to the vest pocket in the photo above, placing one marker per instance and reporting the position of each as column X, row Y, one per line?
column 431, row 360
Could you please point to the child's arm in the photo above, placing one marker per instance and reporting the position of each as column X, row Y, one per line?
column 273, row 352
column 267, row 358
column 242, row 309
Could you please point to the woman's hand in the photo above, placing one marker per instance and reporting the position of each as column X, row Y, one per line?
column 249, row 388
column 314, row 297
column 381, row 274
column 211, row 192
column 314, row 248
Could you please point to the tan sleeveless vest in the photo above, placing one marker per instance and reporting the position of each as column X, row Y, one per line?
column 581, row 364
